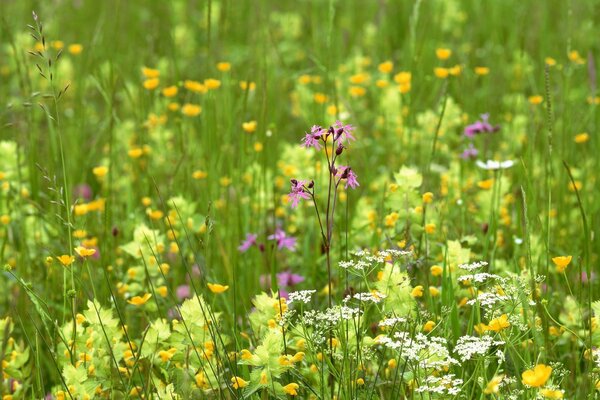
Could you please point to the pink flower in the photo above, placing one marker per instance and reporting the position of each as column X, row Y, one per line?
column 248, row 242
column 344, row 172
column 298, row 192
column 312, row 139
column 283, row 241
column 481, row 126
column 343, row 132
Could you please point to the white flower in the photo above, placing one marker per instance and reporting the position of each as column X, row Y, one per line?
column 494, row 165
column 302, row 296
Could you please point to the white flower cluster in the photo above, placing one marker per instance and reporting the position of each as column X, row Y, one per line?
column 302, row 296
column 469, row 346
column 473, row 266
column 479, row 278
column 367, row 260
column 429, row 352
column 392, row 321
column 487, row 299
column 375, row 297
column 330, row 317
column 446, row 384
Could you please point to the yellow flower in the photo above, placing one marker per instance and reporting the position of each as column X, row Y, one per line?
column 223, row 66
column 433, row 291
column 100, row 171
column 561, row 262
column 199, row 174
column 139, row 300
column 217, row 288
column 436, row 270
column 194, row 86
column 498, row 324
column 582, row 138
column 430, row 228
column 381, row 83
column 245, row 354
column 443, row 54
column 486, row 184
column 191, row 110
column 244, row 85
column 535, row 100
column 84, row 252
column 75, row 49
column 66, row 259
column 150, row 72
column 225, row 181
column 258, row 147
column 551, row 394
column 357, row 91
column 212, row 83
column 493, row 386
column 238, row 383
column 151, row 84
column 249, row 126
column 386, row 67
column 441, row 73
column 57, row 44
column 291, row 389
column 360, row 381
column 304, row 79
column 320, row 98
column 537, row 376
column 482, row 70
column 5, row 219
column 403, row 78
column 417, row 291
column 427, row 197
column 264, row 379
column 551, row 62
column 428, row 327
column 455, row 71
column 359, row 78
column 170, row 91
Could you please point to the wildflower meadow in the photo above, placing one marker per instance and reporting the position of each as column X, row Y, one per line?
column 311, row 199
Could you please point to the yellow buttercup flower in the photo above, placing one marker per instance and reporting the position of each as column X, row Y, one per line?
column 582, row 138
column 498, row 324
column 552, row 393
column 535, row 100
column 75, row 49
column 436, row 270
column 170, row 91
column 561, row 262
column 482, row 70
column 536, row 377
column 66, row 259
column 249, row 126
column 443, row 54
column 151, row 84
column 428, row 327
column 386, row 67
column 223, row 66
column 150, row 72
column 217, row 288
column 486, row 184
column 100, row 171
column 191, row 110
column 84, row 252
column 139, row 300
column 212, row 83
column 417, row 291
column 493, row 386
column 441, row 73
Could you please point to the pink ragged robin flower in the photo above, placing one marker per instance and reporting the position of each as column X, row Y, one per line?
column 344, row 172
column 298, row 192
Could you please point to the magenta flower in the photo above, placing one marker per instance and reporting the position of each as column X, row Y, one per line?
column 247, row 243
column 482, row 126
column 298, row 192
column 343, row 132
column 469, row 152
column 312, row 139
column 183, row 292
column 283, row 241
column 287, row 278
column 345, row 172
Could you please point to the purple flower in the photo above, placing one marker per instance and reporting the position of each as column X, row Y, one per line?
column 343, row 132
column 287, row 278
column 249, row 242
column 345, row 172
column 83, row 191
column 469, row 152
column 184, row 292
column 312, row 139
column 283, row 241
column 481, row 126
column 298, row 192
